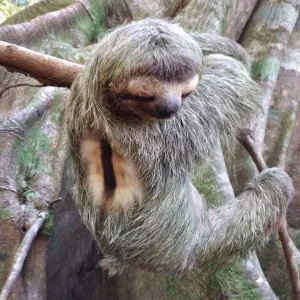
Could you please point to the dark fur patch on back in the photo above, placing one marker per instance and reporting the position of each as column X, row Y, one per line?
column 108, row 172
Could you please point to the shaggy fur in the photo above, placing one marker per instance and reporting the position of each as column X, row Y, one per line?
column 164, row 226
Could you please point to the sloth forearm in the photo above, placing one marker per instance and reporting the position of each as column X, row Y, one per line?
column 237, row 227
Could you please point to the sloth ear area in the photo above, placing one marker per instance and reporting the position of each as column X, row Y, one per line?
column 185, row 95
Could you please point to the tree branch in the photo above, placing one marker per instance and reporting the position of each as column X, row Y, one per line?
column 46, row 69
column 21, row 255
column 245, row 139
column 19, row 84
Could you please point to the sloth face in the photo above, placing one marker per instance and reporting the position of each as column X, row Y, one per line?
column 145, row 70
column 150, row 98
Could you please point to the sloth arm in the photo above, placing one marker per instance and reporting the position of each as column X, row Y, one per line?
column 247, row 221
column 227, row 93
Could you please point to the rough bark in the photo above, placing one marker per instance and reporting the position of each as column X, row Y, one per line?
column 227, row 17
column 237, row 17
column 281, row 150
column 282, row 141
column 265, row 38
column 257, row 276
column 157, row 8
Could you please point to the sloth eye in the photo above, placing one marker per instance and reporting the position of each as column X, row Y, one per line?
column 137, row 98
column 185, row 95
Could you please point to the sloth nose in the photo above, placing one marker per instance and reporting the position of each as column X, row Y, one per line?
column 166, row 109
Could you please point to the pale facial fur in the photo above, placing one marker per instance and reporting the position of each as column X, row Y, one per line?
column 150, row 86
column 150, row 98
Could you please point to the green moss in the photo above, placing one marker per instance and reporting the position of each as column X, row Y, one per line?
column 266, row 69
column 27, row 193
column 57, row 46
column 89, row 29
column 234, row 283
column 4, row 214
column 31, row 153
column 57, row 107
column 275, row 270
column 49, row 223
column 212, row 283
column 85, row 30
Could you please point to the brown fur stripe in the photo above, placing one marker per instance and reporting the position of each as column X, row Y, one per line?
column 108, row 172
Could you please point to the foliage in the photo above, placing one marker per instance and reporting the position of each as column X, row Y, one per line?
column 30, row 154
column 7, row 9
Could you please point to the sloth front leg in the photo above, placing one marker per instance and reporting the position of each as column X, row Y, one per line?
column 237, row 227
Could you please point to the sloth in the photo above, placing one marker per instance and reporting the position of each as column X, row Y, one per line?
column 143, row 116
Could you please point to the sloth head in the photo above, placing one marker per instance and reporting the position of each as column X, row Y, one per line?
column 144, row 70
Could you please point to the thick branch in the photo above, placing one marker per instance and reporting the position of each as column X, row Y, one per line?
column 46, row 69
column 21, row 255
